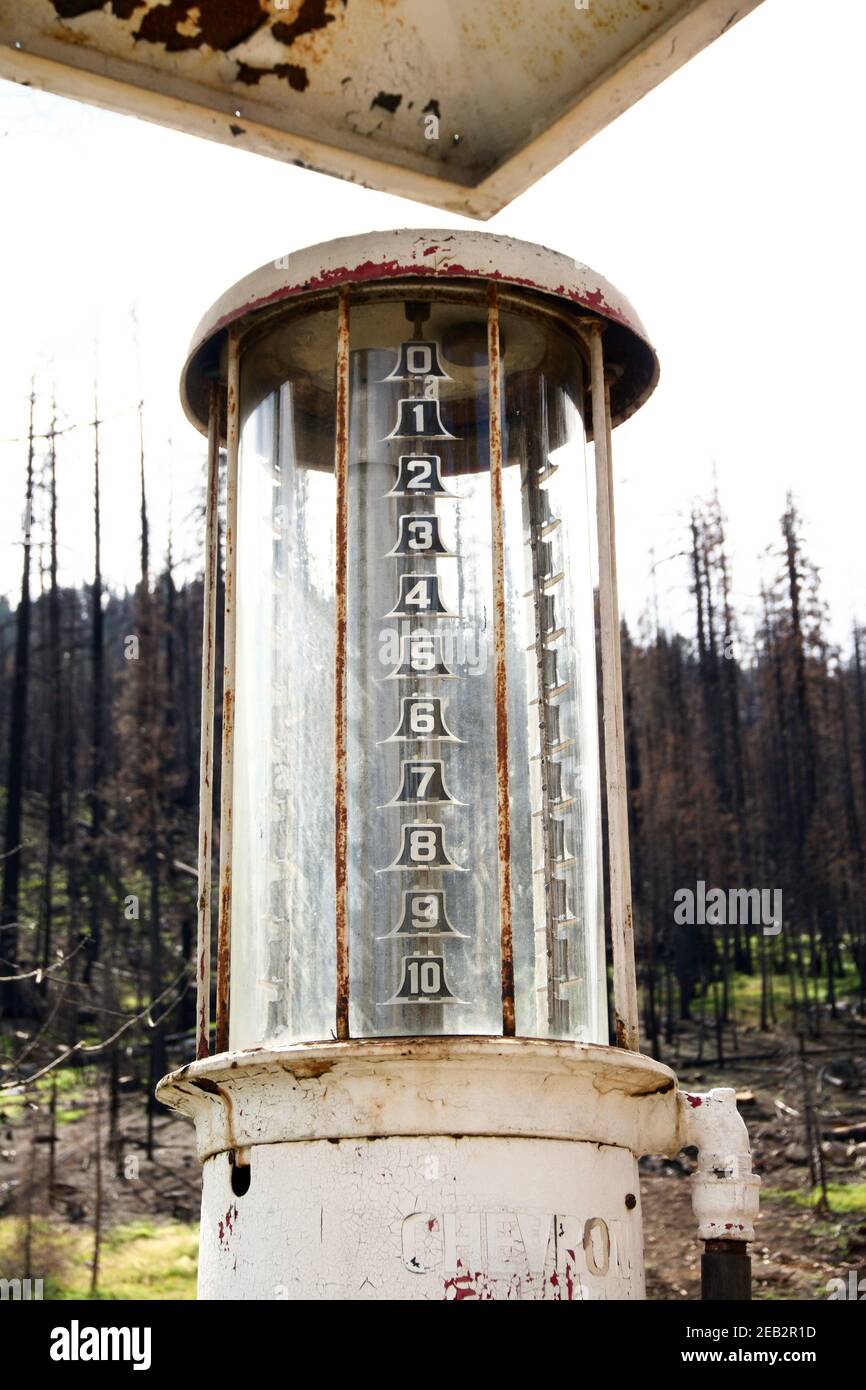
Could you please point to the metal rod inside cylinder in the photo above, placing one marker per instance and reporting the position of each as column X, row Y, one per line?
column 622, row 934
column 499, row 674
column 341, row 469
column 208, row 664
column 229, row 644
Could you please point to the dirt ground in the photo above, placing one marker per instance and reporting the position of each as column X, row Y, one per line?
column 798, row 1248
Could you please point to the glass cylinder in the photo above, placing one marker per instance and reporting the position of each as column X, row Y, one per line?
column 423, row 871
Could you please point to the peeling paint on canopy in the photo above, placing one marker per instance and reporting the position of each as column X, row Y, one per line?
column 392, row 94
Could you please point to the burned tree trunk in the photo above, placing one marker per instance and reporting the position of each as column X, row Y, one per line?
column 97, row 718
column 54, row 826
column 9, row 995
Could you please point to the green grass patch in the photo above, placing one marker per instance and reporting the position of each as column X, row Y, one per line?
column 844, row 1198
column 744, row 992
column 141, row 1260
column 72, row 1087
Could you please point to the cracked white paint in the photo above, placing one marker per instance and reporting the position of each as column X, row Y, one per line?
column 352, row 1197
column 424, row 1218
column 381, row 1087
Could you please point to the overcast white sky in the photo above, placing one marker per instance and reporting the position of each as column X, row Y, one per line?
column 732, row 218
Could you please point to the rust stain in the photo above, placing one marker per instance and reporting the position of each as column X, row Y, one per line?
column 203, row 1035
column 293, row 73
column 226, row 826
column 223, row 966
column 307, row 1070
column 312, row 15
column 341, row 468
column 401, row 270
column 500, row 682
column 387, row 101
column 222, row 24
column 229, row 709
column 207, row 726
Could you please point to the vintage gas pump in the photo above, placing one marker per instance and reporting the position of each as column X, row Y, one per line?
column 413, row 1093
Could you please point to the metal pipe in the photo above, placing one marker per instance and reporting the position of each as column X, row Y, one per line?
column 499, row 673
column 341, row 470
column 622, row 931
column 208, row 665
column 229, row 646
column 726, row 1272
column 724, row 1190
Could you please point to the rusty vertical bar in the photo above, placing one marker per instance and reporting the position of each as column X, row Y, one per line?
column 499, row 670
column 229, row 652
column 341, row 471
column 205, row 784
column 630, row 1004
column 622, row 932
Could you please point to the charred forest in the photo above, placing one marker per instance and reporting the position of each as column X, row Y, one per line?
column 746, row 758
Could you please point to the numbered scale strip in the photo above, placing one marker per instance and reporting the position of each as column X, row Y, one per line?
column 422, row 728
column 553, row 912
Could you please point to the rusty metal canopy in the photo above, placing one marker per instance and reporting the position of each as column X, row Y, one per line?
column 447, row 256
column 460, row 105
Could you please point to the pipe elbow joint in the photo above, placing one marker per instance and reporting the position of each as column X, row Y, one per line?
column 724, row 1188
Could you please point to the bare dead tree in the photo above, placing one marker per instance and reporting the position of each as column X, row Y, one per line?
column 9, row 994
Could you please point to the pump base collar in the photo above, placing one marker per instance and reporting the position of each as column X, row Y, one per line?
column 447, row 1086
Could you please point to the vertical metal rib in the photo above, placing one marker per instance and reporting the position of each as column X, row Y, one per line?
column 499, row 674
column 622, row 934
column 630, row 1003
column 341, row 469
column 229, row 647
column 208, row 662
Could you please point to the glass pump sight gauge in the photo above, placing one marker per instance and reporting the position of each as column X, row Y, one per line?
column 413, row 1093
column 423, row 899
column 416, row 655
